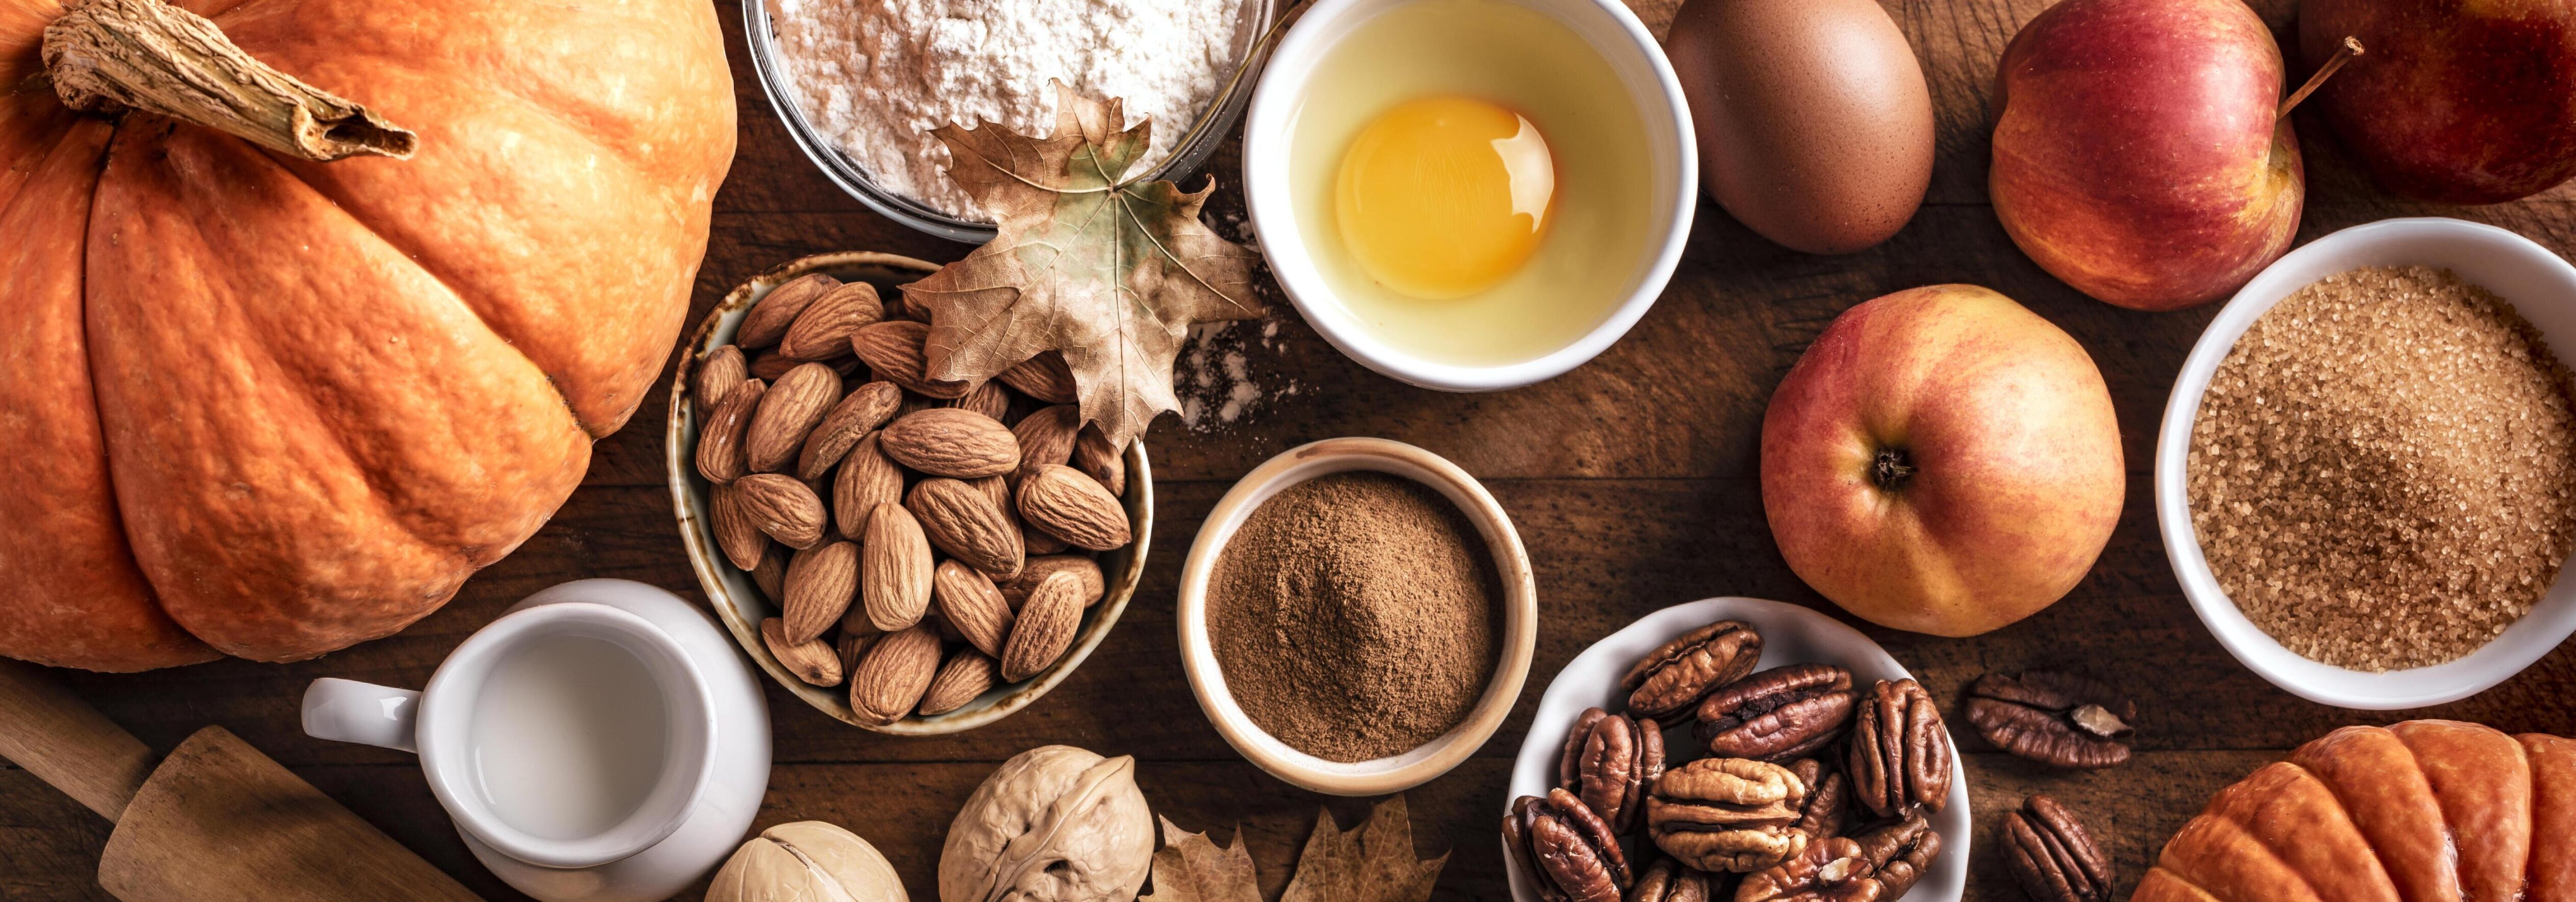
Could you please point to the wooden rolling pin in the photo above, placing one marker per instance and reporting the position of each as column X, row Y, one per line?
column 215, row 820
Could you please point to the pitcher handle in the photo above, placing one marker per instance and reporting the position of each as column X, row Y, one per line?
column 350, row 711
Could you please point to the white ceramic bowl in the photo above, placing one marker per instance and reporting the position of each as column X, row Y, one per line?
column 2540, row 285
column 1790, row 635
column 1622, row 42
column 1382, row 775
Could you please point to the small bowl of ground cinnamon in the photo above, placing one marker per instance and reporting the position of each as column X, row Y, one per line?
column 1357, row 616
column 2366, row 475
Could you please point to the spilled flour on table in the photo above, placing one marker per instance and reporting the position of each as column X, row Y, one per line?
column 1215, row 376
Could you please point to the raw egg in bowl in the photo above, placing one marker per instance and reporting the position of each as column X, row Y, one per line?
column 1470, row 195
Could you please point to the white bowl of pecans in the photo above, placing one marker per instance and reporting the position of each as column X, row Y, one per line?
column 908, row 556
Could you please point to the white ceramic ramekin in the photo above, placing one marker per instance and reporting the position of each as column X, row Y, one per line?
column 1621, row 40
column 2540, row 285
column 1383, row 775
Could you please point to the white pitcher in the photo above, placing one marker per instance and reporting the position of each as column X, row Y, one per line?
column 601, row 741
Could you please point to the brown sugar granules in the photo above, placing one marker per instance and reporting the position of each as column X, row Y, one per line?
column 2383, row 471
column 1355, row 615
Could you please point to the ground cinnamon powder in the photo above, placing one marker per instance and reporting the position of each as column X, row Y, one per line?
column 1355, row 615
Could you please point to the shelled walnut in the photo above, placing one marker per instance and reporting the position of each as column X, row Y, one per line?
column 856, row 491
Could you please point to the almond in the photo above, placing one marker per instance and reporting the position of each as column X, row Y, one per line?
column 851, row 646
column 771, row 574
column 967, row 675
column 1044, row 377
column 769, row 318
column 782, row 507
column 1016, row 591
column 989, row 399
column 893, row 674
column 894, row 569
column 770, row 365
column 736, row 533
column 787, row 412
column 969, row 602
column 1072, row 507
column 820, row 584
column 893, row 350
column 1044, row 627
column 867, row 479
column 1046, row 436
column 823, row 331
column 961, row 520
column 947, row 441
column 720, row 439
column 865, row 408
column 997, row 490
column 810, row 660
column 1093, row 455
column 1035, row 541
column 718, row 372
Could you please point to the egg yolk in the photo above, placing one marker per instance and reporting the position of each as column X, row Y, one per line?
column 1443, row 197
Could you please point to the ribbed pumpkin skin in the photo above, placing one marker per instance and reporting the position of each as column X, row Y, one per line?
column 271, row 408
column 2420, row 810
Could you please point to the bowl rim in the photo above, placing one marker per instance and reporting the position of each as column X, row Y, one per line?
column 1383, row 775
column 1274, row 106
column 2543, row 628
column 689, row 499
column 761, row 40
column 1542, row 747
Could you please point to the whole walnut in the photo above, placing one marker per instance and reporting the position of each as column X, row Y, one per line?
column 1053, row 824
column 804, row 861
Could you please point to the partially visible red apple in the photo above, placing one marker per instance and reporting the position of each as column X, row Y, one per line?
column 2454, row 101
column 2137, row 156
column 1943, row 461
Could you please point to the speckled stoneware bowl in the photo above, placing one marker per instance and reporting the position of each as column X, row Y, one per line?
column 740, row 604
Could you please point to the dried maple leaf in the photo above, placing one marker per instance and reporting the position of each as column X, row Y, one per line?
column 1190, row 868
column 1108, row 271
column 1371, row 863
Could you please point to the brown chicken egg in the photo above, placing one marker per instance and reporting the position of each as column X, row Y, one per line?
column 1814, row 123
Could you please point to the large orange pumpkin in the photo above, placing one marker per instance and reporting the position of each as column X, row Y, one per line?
column 265, row 406
column 2422, row 811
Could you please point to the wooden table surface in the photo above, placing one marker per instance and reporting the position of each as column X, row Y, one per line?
column 1633, row 481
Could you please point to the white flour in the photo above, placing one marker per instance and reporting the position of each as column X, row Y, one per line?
column 875, row 76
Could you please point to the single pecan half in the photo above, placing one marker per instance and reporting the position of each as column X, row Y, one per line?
column 1671, row 881
column 1900, row 852
column 1564, row 850
column 1727, row 814
column 1610, row 761
column 1826, row 814
column 1900, row 753
column 2052, row 854
column 1676, row 675
column 1778, row 714
column 2053, row 718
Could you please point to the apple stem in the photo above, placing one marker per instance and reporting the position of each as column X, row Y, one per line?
column 2351, row 48
column 1891, row 469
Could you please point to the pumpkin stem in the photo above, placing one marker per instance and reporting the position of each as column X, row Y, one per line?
column 110, row 56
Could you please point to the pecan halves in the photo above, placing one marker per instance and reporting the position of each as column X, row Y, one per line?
column 1678, row 674
column 1671, row 881
column 1900, row 753
column 1900, row 852
column 2053, row 718
column 1610, row 761
column 1778, row 714
column 1564, row 849
column 1727, row 814
column 2053, row 855
column 1825, row 814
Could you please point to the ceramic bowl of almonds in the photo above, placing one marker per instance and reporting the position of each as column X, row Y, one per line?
column 1735, row 748
column 910, row 556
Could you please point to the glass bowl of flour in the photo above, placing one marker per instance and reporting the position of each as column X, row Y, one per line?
column 860, row 83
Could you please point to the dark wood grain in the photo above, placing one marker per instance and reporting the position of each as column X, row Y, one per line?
column 1633, row 481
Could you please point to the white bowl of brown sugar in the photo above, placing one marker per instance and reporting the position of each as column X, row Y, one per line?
column 2366, row 474
column 1357, row 616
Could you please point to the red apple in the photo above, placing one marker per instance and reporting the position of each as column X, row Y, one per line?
column 2453, row 101
column 2137, row 155
column 1942, row 460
